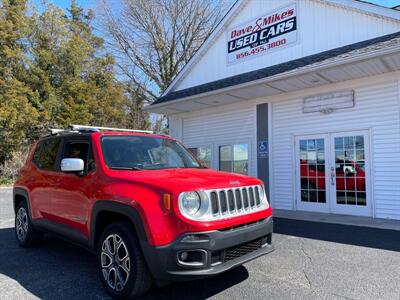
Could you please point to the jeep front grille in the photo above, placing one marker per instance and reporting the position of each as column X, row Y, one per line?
column 235, row 201
column 224, row 203
column 235, row 252
column 241, row 250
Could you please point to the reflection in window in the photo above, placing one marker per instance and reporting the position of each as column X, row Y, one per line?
column 312, row 170
column 147, row 153
column 234, row 158
column 350, row 170
column 203, row 154
column 80, row 150
column 76, row 150
column 48, row 154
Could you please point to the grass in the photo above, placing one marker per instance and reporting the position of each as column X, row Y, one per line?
column 4, row 181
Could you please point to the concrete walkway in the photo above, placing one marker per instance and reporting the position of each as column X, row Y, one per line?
column 338, row 219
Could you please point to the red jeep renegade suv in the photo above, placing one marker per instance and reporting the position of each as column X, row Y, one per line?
column 143, row 203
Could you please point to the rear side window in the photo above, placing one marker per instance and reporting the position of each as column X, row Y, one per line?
column 47, row 154
column 36, row 154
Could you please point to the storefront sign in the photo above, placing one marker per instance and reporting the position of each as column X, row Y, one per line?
column 328, row 103
column 272, row 30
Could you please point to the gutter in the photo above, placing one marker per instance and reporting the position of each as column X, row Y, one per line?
column 301, row 71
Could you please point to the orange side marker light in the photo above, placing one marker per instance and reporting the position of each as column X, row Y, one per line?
column 167, row 201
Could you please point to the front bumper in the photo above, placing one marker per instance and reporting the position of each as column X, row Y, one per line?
column 223, row 250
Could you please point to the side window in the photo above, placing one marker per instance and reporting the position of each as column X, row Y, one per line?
column 47, row 155
column 80, row 150
column 91, row 165
column 203, row 154
column 36, row 154
column 234, row 158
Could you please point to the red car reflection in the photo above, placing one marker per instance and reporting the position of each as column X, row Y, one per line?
column 349, row 175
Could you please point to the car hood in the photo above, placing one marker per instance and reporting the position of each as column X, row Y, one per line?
column 185, row 179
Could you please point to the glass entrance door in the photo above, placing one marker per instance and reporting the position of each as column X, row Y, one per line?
column 349, row 173
column 312, row 166
column 332, row 173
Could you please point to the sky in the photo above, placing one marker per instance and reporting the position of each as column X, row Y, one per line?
column 388, row 3
column 92, row 3
column 65, row 3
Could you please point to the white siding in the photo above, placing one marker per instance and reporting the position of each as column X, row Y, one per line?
column 377, row 109
column 175, row 127
column 322, row 26
column 213, row 127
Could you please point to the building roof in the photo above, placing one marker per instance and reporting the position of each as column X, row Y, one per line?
column 367, row 46
column 357, row 5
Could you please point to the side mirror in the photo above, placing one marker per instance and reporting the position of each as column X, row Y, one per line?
column 72, row 165
column 202, row 164
column 350, row 171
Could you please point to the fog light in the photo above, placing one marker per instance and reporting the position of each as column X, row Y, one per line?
column 194, row 258
column 183, row 256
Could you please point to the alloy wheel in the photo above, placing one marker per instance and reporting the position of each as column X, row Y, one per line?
column 22, row 224
column 115, row 262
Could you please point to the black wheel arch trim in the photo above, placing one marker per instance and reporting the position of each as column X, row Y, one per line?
column 125, row 210
column 19, row 191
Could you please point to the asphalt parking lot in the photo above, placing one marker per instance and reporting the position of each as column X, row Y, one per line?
column 311, row 261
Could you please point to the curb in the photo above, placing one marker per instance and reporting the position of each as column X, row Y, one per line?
column 349, row 220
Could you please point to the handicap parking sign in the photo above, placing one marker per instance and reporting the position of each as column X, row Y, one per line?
column 262, row 149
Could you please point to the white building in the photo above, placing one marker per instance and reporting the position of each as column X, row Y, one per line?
column 303, row 94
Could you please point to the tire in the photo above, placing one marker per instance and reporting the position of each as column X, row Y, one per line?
column 134, row 277
column 26, row 234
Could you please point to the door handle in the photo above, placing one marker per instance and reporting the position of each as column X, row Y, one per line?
column 333, row 175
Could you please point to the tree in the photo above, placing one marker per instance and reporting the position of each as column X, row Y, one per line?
column 18, row 116
column 48, row 31
column 55, row 71
column 153, row 39
column 72, row 72
column 136, row 117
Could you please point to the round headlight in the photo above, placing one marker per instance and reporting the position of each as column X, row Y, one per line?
column 190, row 203
column 263, row 196
column 261, row 192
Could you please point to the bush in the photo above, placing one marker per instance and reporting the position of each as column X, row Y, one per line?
column 10, row 168
column 6, row 181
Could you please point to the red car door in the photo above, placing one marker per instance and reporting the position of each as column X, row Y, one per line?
column 71, row 201
column 43, row 176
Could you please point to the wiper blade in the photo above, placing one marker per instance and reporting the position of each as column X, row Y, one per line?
column 126, row 168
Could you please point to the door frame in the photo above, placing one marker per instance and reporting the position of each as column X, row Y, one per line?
column 331, row 205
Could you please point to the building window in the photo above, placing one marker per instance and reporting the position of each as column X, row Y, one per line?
column 234, row 158
column 203, row 154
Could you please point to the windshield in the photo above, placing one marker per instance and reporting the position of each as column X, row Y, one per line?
column 145, row 153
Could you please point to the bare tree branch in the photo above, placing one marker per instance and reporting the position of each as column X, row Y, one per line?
column 154, row 39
